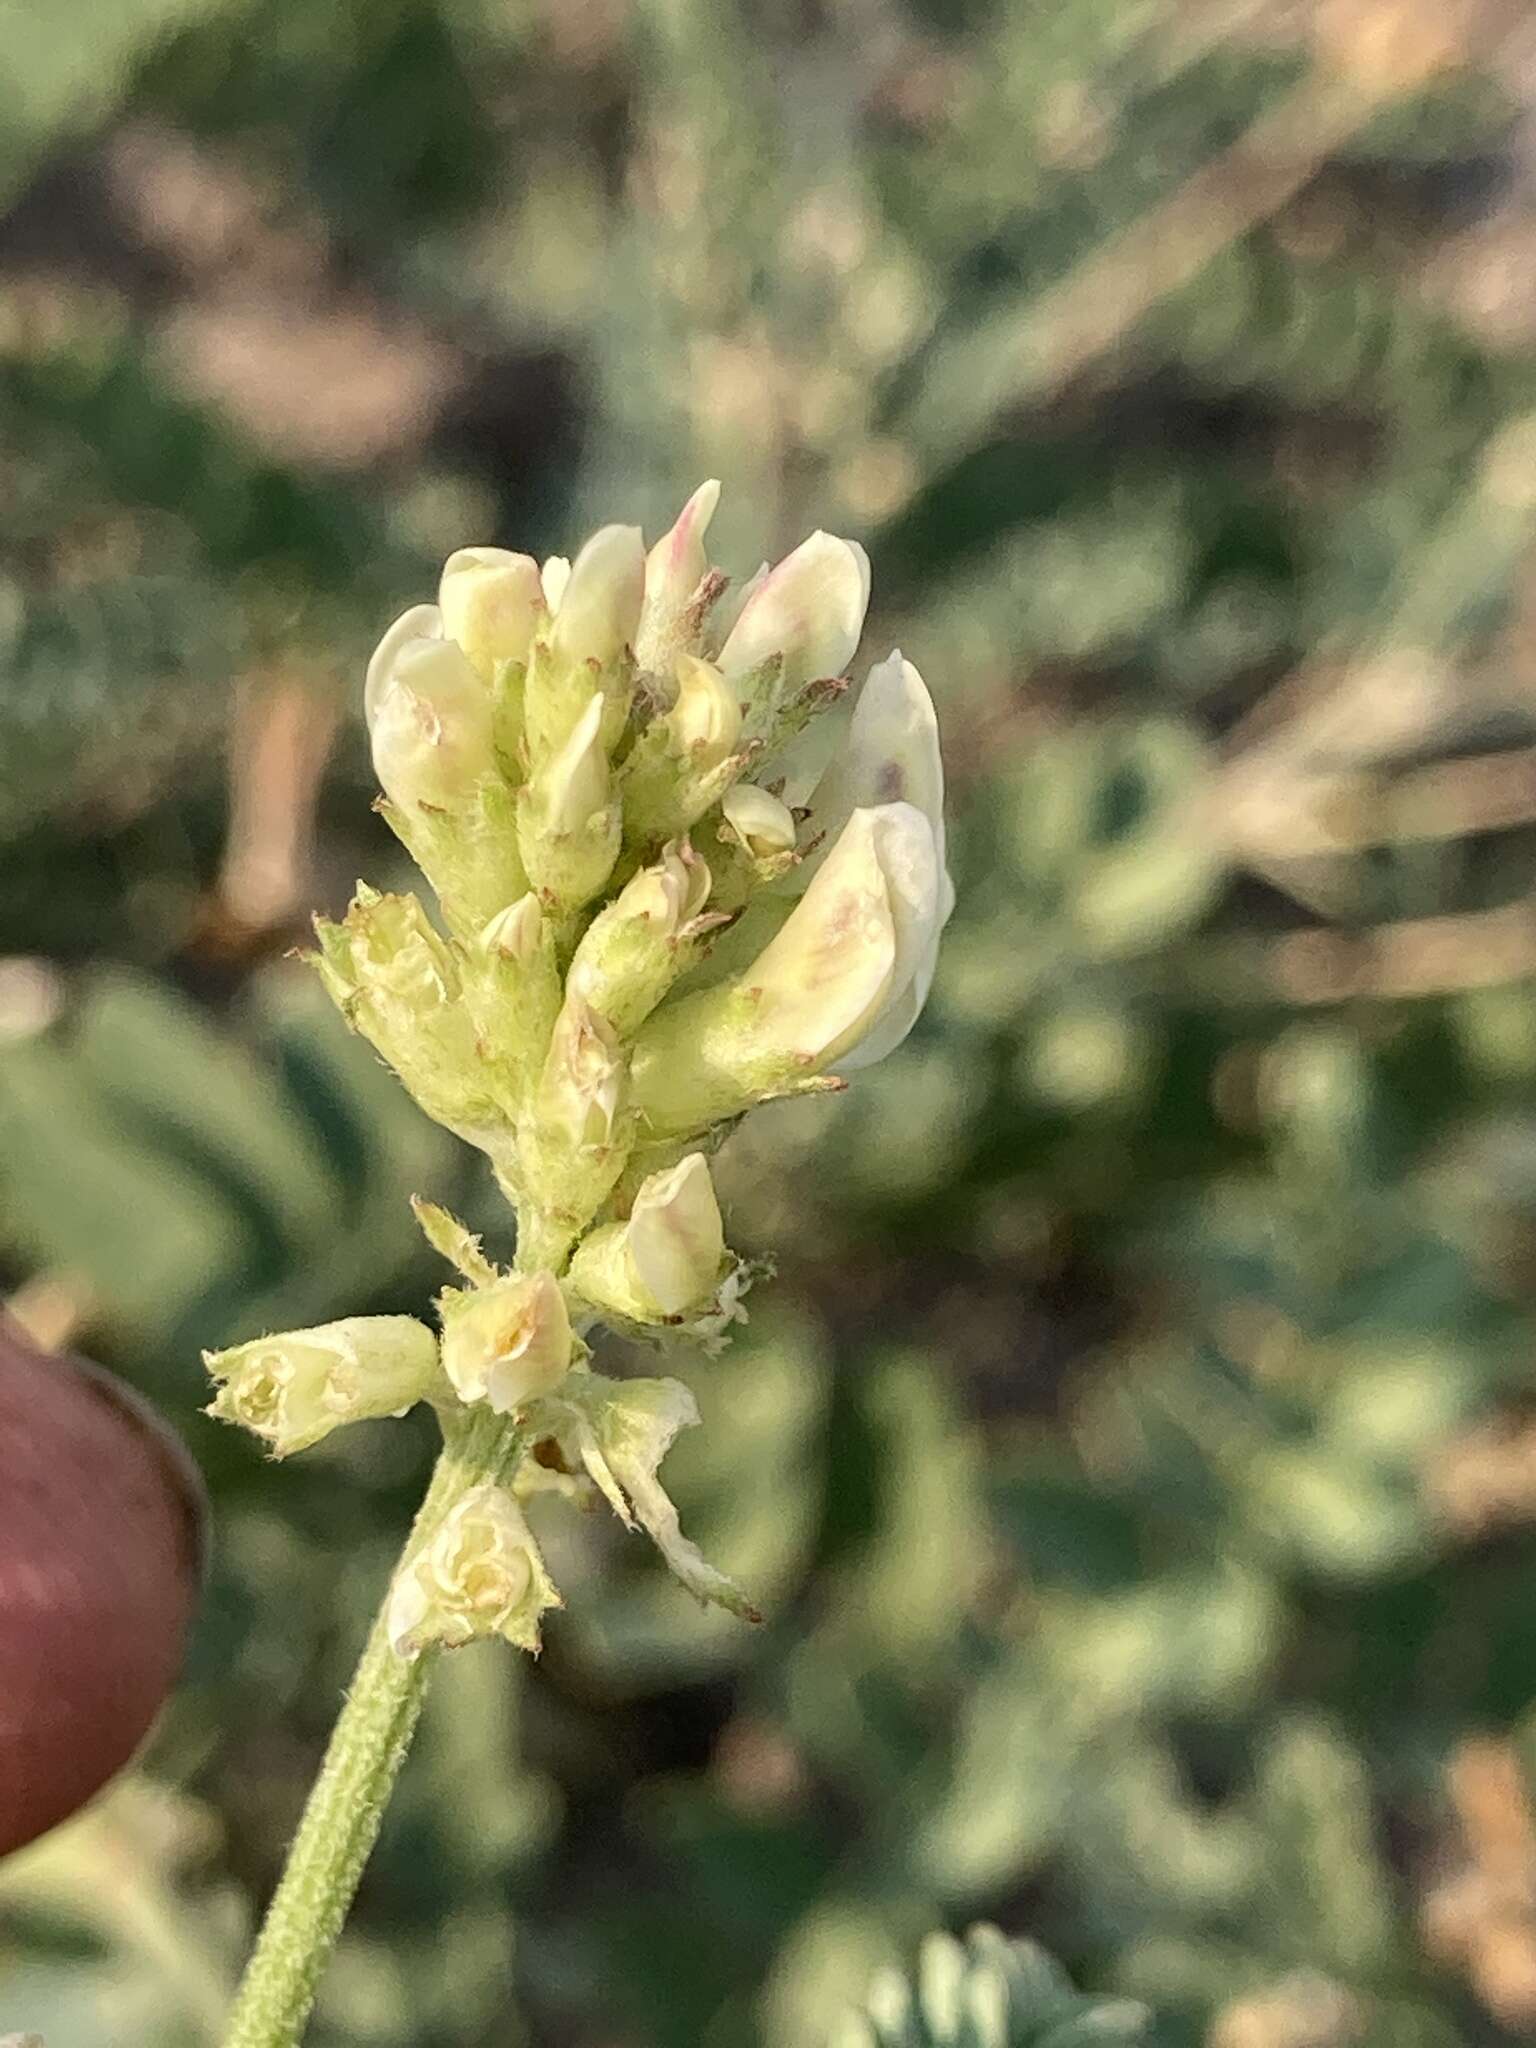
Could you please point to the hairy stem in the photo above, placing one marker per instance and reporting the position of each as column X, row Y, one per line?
column 362, row 1760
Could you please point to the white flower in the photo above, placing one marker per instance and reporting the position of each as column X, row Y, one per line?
column 857, row 947
column 809, row 610
column 516, row 933
column 554, row 574
column 891, row 754
column 838, row 986
column 676, row 1240
column 620, row 1430
column 635, row 948
column 420, row 622
column 568, row 818
column 577, row 781
column 581, row 1091
column 705, row 720
column 667, row 1258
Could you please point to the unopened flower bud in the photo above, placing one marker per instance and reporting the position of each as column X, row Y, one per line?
column 674, row 570
column 512, row 985
column 684, row 759
column 705, row 720
column 518, row 933
column 598, row 611
column 577, row 1136
column 478, row 1574
column 760, row 823
column 594, row 604
column 429, row 721
column 491, row 603
column 635, row 949
column 568, row 820
column 859, row 942
column 809, row 612
column 758, row 834
column 394, row 979
column 291, row 1390
column 668, row 1257
column 506, row 1343
column 420, row 622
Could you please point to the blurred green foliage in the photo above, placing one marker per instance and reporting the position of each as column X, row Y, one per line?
column 1135, row 1455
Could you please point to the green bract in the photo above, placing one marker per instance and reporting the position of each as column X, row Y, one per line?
column 990, row 1993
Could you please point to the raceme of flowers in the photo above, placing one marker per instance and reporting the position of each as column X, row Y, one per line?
column 682, row 867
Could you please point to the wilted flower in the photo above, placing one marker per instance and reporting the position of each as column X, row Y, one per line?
column 291, row 1390
column 394, row 979
column 505, row 1343
column 478, row 1574
column 619, row 1431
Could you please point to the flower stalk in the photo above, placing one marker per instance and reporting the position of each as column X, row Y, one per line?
column 345, row 1808
column 634, row 946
